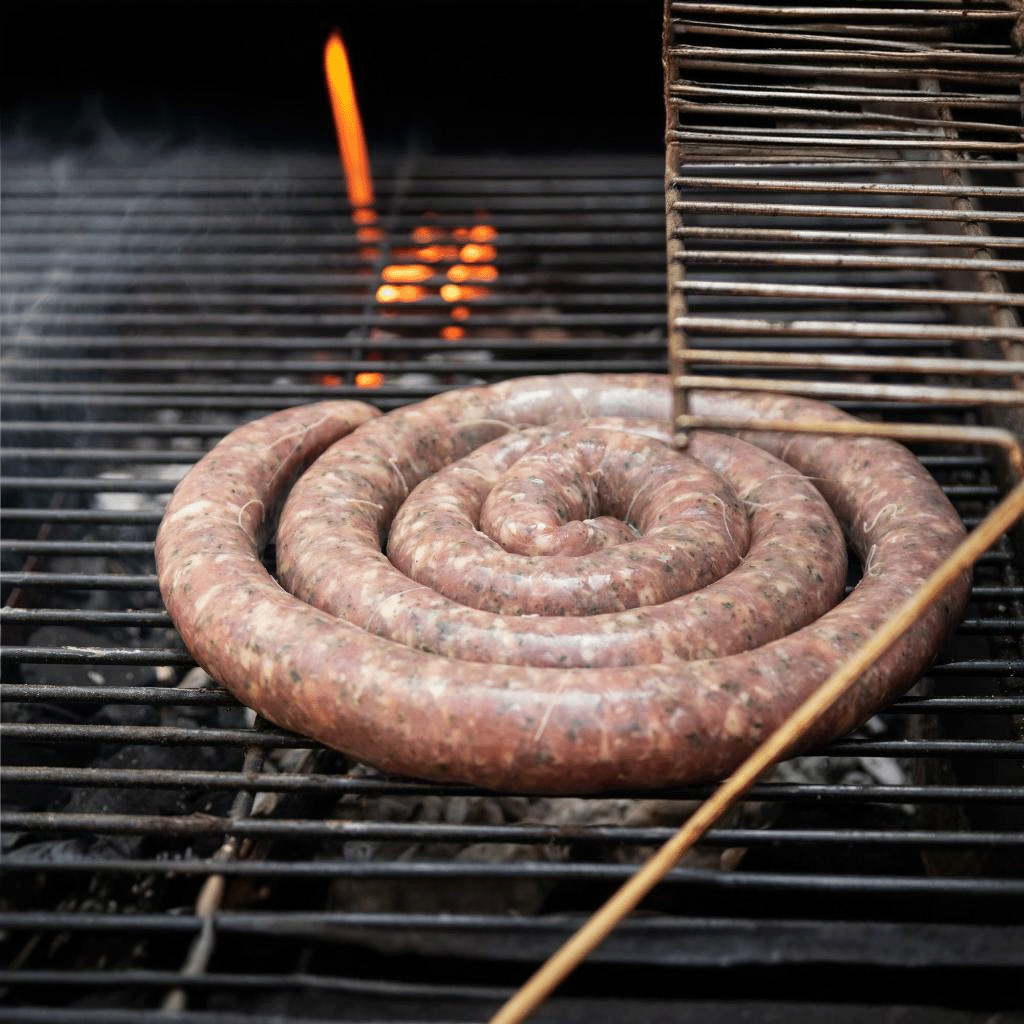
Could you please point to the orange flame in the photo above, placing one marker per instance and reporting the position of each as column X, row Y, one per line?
column 369, row 380
column 348, row 124
column 453, row 333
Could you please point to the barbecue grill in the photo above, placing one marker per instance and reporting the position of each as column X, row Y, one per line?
column 843, row 205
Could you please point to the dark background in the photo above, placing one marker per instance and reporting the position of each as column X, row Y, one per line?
column 518, row 77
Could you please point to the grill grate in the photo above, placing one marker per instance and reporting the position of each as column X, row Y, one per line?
column 152, row 827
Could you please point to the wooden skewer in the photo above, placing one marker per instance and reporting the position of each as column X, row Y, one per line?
column 580, row 945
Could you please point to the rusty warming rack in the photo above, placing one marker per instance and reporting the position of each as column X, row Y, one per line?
column 838, row 149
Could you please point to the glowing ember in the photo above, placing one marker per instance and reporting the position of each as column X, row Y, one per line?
column 401, row 293
column 369, row 380
column 427, row 234
column 463, row 292
column 474, row 253
column 347, row 124
column 406, row 272
column 460, row 312
column 452, row 333
column 436, row 253
column 460, row 272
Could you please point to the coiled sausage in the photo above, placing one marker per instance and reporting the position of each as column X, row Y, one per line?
column 707, row 623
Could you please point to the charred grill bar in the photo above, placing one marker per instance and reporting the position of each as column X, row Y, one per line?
column 153, row 830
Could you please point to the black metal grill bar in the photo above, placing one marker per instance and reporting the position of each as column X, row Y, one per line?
column 300, row 343
column 562, row 237
column 135, row 277
column 329, row 206
column 79, row 616
column 375, row 318
column 802, row 793
column 456, row 187
column 81, row 581
column 299, row 980
column 324, row 210
column 426, row 832
column 80, row 547
column 431, row 869
column 68, row 655
column 707, row 289
column 110, row 368
column 295, row 923
column 81, row 516
column 42, row 257
column 298, row 300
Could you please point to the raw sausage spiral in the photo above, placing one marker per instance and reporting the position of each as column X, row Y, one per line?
column 525, row 587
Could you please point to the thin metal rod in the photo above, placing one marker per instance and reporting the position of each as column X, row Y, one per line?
column 788, row 735
column 840, row 237
column 848, row 94
column 1005, row 440
column 871, row 187
column 839, row 261
column 846, row 293
column 951, row 12
column 881, row 364
column 840, row 389
column 850, row 328
column 880, row 212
